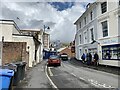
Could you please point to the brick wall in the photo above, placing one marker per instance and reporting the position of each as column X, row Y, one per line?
column 13, row 52
column 67, row 51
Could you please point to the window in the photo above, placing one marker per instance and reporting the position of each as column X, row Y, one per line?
column 80, row 39
column 104, row 7
column 91, row 15
column 105, row 28
column 119, row 2
column 85, row 20
column 80, row 52
column 111, row 52
column 77, row 26
column 85, row 37
column 80, row 24
column 92, row 34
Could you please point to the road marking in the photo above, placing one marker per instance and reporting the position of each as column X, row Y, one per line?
column 50, row 72
column 73, row 74
column 81, row 78
column 50, row 67
column 62, row 64
column 95, row 83
column 50, row 79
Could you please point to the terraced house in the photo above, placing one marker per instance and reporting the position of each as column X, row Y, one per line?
column 98, row 29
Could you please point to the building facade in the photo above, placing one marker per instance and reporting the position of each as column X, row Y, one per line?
column 11, row 33
column 46, row 41
column 86, row 32
column 106, row 32
column 34, row 45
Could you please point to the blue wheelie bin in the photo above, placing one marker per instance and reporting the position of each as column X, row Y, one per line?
column 5, row 78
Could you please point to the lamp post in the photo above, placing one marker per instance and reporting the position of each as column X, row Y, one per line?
column 46, row 27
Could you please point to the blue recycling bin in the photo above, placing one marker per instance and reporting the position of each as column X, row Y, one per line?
column 5, row 78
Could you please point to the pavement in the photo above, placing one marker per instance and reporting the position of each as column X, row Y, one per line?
column 35, row 78
column 108, row 69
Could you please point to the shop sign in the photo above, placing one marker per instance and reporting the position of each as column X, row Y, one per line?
column 110, row 41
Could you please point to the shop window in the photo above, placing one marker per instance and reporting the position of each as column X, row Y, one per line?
column 105, row 28
column 104, row 7
column 111, row 52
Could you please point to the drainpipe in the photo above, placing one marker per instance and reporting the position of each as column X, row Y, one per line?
column 1, row 50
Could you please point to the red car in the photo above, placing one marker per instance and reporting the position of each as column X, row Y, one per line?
column 54, row 60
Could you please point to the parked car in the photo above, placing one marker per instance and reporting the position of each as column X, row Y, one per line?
column 64, row 56
column 54, row 60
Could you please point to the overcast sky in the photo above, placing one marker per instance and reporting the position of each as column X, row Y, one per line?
column 59, row 16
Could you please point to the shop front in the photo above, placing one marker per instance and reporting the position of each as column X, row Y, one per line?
column 110, row 51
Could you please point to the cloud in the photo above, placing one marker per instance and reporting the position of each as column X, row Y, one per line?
column 36, row 14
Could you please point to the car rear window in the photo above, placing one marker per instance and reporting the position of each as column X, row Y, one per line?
column 54, row 57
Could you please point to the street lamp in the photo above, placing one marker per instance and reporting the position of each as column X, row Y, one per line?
column 46, row 27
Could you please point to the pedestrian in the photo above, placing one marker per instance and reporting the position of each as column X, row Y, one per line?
column 83, row 58
column 96, row 58
column 89, row 58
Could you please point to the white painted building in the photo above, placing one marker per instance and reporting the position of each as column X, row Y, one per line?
column 86, row 31
column 11, row 33
column 106, row 28
column 7, row 28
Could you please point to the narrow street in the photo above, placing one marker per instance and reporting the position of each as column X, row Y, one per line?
column 68, row 76
column 80, row 37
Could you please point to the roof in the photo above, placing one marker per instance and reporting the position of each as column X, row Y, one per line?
column 31, row 30
column 46, row 33
column 90, row 6
column 59, row 50
column 5, row 21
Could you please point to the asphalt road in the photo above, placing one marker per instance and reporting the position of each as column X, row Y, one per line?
column 71, row 76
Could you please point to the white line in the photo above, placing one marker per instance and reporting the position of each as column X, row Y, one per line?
column 95, row 83
column 50, row 72
column 50, row 79
column 73, row 74
column 81, row 78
